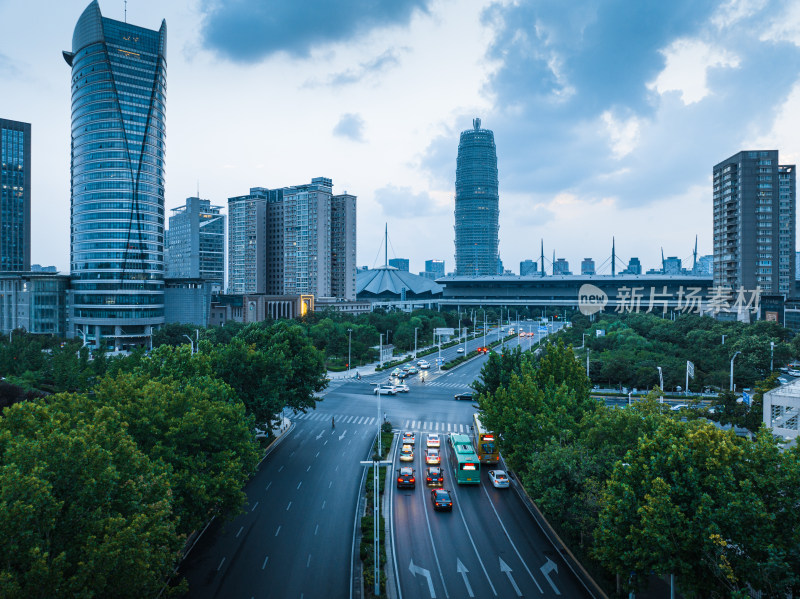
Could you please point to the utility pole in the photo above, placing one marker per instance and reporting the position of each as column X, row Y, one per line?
column 415, row 342
column 349, row 345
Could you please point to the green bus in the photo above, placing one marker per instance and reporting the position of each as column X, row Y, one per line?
column 465, row 463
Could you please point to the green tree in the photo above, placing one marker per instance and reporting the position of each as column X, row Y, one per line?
column 83, row 512
column 198, row 427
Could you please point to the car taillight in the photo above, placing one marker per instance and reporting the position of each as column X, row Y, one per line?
column 413, row 479
column 399, row 480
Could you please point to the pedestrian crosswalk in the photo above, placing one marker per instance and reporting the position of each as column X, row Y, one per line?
column 425, row 426
column 415, row 384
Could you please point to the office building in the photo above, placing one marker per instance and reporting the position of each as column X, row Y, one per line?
column 587, row 266
column 634, row 267
column 561, row 267
column 35, row 302
column 672, row 265
column 528, row 267
column 196, row 242
column 117, row 190
column 436, row 267
column 343, row 247
column 704, row 266
column 477, row 204
column 247, row 235
column 754, row 223
column 399, row 263
column 15, row 196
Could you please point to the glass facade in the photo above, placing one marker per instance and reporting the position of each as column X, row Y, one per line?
column 117, row 178
column 15, row 196
column 477, row 203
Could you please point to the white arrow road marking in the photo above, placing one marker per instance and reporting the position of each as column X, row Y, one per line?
column 504, row 567
column 343, row 434
column 426, row 573
column 548, row 567
column 462, row 569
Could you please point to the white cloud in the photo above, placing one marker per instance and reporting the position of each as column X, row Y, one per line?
column 783, row 133
column 734, row 11
column 623, row 133
column 687, row 67
column 785, row 26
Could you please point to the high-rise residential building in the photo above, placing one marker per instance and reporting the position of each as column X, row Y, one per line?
column 119, row 84
column 247, row 242
column 343, row 246
column 15, row 196
column 307, row 238
column 587, row 266
column 436, row 267
column 477, row 209
column 528, row 267
column 754, row 222
column 196, row 242
column 399, row 263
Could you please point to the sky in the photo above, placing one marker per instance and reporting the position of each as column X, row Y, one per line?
column 608, row 115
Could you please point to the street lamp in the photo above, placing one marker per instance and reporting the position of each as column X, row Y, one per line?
column 661, row 383
column 191, row 343
column 415, row 342
column 771, row 355
column 349, row 345
column 82, row 335
column 380, row 355
column 732, row 359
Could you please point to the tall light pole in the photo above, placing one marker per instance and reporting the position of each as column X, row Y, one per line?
column 732, row 359
column 484, row 328
column 349, row 345
column 82, row 335
column 587, row 365
column 191, row 343
column 661, row 383
column 380, row 356
column 415, row 342
column 771, row 355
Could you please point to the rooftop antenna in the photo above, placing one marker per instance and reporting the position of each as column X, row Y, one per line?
column 126, row 10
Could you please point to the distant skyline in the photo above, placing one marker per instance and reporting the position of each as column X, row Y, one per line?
column 608, row 119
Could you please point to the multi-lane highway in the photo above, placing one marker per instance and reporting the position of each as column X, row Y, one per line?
column 294, row 537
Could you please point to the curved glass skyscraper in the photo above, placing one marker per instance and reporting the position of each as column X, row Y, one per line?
column 477, row 203
column 117, row 200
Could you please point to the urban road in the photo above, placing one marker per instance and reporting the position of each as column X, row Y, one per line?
column 295, row 535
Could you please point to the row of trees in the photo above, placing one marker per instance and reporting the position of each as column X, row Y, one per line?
column 634, row 345
column 100, row 489
column 639, row 490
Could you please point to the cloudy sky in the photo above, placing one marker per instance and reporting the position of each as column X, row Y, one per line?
column 608, row 115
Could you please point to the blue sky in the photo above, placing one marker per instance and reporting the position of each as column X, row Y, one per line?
column 608, row 116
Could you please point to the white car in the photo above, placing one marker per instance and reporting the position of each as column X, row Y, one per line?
column 793, row 372
column 499, row 478
column 460, row 350
column 401, row 388
column 432, row 457
column 423, row 365
column 679, row 407
column 385, row 390
column 433, row 440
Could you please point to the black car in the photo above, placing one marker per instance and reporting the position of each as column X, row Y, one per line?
column 467, row 395
column 441, row 500
column 406, row 478
column 434, row 476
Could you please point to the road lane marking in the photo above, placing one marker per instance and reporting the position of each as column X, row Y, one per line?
column 308, row 563
column 220, row 564
column 505, row 568
column 548, row 567
column 281, row 468
column 462, row 569
column 264, row 565
column 300, row 483
column 316, row 456
column 323, row 504
column 316, row 529
column 288, row 506
column 309, row 468
column 240, row 532
column 268, row 486
column 277, row 531
column 254, row 507
column 426, row 573
column 330, row 484
column 508, row 536
column 326, row 442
